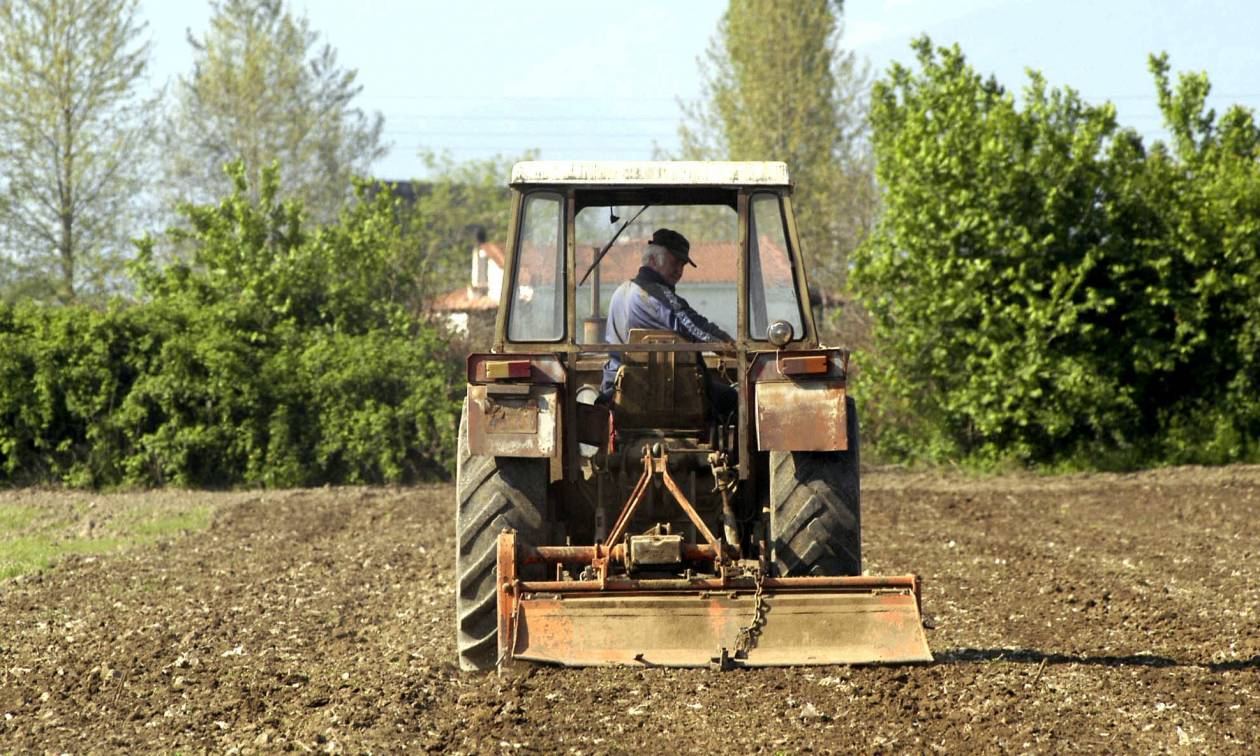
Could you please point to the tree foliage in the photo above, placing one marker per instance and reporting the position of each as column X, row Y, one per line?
column 1046, row 288
column 262, row 90
column 73, row 136
column 778, row 86
column 274, row 355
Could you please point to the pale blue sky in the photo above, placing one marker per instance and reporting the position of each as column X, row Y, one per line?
column 601, row 79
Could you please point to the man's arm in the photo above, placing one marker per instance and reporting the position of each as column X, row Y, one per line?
column 681, row 318
column 692, row 324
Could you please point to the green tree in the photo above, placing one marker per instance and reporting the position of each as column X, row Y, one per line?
column 262, row 90
column 1047, row 289
column 274, row 355
column 73, row 136
column 1201, row 347
column 286, row 354
column 778, row 86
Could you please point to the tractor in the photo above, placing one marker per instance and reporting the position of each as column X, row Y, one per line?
column 633, row 521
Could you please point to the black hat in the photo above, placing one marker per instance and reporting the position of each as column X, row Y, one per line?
column 675, row 242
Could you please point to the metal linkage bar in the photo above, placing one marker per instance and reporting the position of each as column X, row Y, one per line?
column 653, row 464
column 582, row 555
column 509, row 600
column 632, row 503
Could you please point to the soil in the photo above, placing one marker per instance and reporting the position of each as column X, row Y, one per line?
column 1081, row 613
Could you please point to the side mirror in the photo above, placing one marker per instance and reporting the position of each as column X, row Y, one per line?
column 779, row 333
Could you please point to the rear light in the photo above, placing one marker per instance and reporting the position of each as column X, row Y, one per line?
column 506, row 369
column 830, row 364
column 534, row 368
column 810, row 364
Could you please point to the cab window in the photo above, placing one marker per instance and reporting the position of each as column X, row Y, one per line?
column 711, row 287
column 536, row 310
column 772, row 291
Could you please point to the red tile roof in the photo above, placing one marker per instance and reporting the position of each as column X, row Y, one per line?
column 494, row 251
column 715, row 263
column 464, row 299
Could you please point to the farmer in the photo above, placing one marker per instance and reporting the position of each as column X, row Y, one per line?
column 649, row 301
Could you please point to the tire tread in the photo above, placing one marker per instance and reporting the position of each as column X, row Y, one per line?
column 815, row 509
column 492, row 494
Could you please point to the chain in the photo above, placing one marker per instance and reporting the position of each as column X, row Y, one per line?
column 747, row 637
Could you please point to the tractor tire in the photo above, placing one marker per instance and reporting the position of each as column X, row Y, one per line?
column 815, row 509
column 492, row 494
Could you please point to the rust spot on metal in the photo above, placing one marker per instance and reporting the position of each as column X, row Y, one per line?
column 510, row 416
column 513, row 425
column 801, row 415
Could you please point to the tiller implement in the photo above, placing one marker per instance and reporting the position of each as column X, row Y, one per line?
column 638, row 495
column 723, row 612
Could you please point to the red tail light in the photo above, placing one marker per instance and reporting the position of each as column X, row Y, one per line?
column 535, row 368
column 499, row 370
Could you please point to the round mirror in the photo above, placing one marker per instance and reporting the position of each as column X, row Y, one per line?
column 779, row 333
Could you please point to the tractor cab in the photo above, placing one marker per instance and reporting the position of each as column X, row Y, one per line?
column 580, row 231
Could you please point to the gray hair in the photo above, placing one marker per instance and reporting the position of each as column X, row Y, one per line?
column 654, row 256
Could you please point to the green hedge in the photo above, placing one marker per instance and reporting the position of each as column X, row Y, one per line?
column 1047, row 289
column 268, row 356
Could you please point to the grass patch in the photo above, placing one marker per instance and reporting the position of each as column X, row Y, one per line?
column 36, row 537
column 150, row 526
column 32, row 553
column 16, row 517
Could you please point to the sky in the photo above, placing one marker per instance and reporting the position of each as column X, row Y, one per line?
column 593, row 79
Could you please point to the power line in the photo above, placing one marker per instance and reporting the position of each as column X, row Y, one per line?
column 603, row 117
column 620, row 99
column 636, row 100
column 1151, row 97
column 528, row 134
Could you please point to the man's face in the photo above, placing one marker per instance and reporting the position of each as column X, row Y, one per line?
column 672, row 269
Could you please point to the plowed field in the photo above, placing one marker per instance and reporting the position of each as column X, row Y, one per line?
column 1084, row 613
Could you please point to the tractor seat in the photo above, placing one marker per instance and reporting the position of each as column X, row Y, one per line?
column 658, row 390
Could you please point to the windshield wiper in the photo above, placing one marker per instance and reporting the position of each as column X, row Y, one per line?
column 608, row 246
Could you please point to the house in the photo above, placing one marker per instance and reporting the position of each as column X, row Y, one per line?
column 471, row 309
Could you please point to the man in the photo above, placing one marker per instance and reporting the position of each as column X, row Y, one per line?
column 649, row 301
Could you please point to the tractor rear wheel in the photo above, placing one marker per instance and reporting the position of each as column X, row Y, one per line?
column 815, row 509
column 492, row 494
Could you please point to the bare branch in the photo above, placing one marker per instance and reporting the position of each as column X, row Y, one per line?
column 72, row 144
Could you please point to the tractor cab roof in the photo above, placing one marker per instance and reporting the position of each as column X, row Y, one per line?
column 651, row 173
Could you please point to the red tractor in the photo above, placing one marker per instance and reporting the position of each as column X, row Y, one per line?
column 642, row 525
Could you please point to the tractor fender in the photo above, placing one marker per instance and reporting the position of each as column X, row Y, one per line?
column 523, row 423
column 799, row 401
